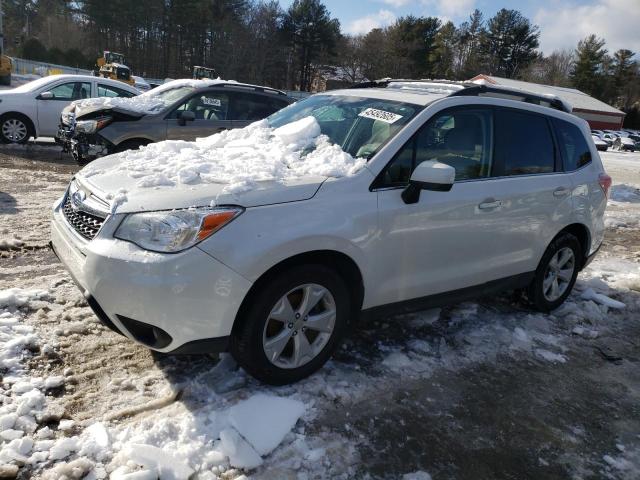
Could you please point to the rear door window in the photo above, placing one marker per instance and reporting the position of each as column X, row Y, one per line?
column 524, row 145
column 574, row 148
column 111, row 91
column 252, row 106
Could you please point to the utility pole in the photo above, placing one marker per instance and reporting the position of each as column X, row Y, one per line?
column 1, row 29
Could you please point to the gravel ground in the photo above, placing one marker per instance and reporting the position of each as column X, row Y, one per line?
column 484, row 390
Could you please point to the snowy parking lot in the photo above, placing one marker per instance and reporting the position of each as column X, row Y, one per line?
column 484, row 390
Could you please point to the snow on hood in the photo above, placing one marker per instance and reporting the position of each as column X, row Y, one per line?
column 232, row 163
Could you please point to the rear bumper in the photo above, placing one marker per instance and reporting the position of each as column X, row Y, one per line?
column 181, row 303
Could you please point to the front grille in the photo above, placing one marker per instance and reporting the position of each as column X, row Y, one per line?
column 86, row 224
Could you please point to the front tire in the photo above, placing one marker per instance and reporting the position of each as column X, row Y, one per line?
column 556, row 274
column 292, row 325
column 14, row 128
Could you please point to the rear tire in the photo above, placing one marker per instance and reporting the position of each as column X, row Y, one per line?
column 556, row 273
column 5, row 80
column 269, row 325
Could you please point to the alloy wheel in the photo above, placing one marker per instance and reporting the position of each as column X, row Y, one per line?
column 299, row 326
column 558, row 274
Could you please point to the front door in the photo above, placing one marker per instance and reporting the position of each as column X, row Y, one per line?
column 211, row 111
column 49, row 109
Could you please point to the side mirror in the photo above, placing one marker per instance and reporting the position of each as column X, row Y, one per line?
column 46, row 96
column 431, row 175
column 186, row 116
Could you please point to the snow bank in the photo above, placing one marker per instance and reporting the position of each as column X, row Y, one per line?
column 17, row 297
column 625, row 193
column 237, row 158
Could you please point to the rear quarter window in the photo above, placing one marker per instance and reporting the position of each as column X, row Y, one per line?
column 574, row 147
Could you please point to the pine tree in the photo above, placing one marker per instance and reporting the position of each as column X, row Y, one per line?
column 587, row 74
column 510, row 43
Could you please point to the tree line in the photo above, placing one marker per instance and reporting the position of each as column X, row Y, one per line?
column 258, row 41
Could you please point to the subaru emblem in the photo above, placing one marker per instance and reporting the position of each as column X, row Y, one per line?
column 77, row 198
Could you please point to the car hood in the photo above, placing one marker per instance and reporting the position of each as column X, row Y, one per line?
column 123, row 194
column 86, row 110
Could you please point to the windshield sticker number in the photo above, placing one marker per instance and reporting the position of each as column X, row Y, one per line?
column 214, row 102
column 375, row 114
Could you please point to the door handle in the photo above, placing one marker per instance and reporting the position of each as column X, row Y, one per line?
column 490, row 204
column 561, row 192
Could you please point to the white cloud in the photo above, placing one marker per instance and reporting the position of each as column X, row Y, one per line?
column 617, row 21
column 396, row 3
column 452, row 9
column 367, row 23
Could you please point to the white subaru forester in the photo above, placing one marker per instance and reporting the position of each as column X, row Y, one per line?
column 394, row 196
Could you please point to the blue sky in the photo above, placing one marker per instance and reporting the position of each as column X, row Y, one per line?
column 563, row 22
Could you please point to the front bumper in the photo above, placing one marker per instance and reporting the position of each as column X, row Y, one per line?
column 172, row 303
column 83, row 147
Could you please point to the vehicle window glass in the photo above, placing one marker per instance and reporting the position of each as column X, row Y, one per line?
column 460, row 138
column 524, row 145
column 360, row 126
column 72, row 91
column 574, row 148
column 206, row 106
column 111, row 91
column 249, row 106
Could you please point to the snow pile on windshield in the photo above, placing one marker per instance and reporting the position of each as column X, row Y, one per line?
column 237, row 158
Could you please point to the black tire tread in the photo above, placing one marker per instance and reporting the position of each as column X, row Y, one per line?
column 246, row 340
column 534, row 291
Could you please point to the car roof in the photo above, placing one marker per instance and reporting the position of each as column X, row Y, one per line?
column 419, row 98
column 207, row 83
column 424, row 92
column 43, row 81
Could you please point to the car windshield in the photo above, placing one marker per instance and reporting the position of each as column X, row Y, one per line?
column 360, row 126
column 169, row 96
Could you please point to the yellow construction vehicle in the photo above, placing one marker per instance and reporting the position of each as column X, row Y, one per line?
column 5, row 70
column 112, row 65
column 204, row 72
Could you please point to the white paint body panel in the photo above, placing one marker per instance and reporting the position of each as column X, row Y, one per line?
column 442, row 243
column 45, row 114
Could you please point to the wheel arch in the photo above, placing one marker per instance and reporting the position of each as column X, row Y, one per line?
column 581, row 232
column 343, row 264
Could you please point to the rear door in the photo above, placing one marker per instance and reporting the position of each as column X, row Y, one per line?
column 211, row 110
column 532, row 189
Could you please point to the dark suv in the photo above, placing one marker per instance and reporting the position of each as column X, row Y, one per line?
column 178, row 110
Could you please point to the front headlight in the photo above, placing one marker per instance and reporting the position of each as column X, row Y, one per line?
column 92, row 126
column 174, row 230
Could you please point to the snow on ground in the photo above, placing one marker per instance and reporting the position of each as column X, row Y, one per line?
column 79, row 401
column 237, row 158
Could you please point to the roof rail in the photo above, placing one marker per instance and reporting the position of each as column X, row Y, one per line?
column 474, row 89
column 254, row 87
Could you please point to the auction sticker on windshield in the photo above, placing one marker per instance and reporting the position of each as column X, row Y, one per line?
column 375, row 114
